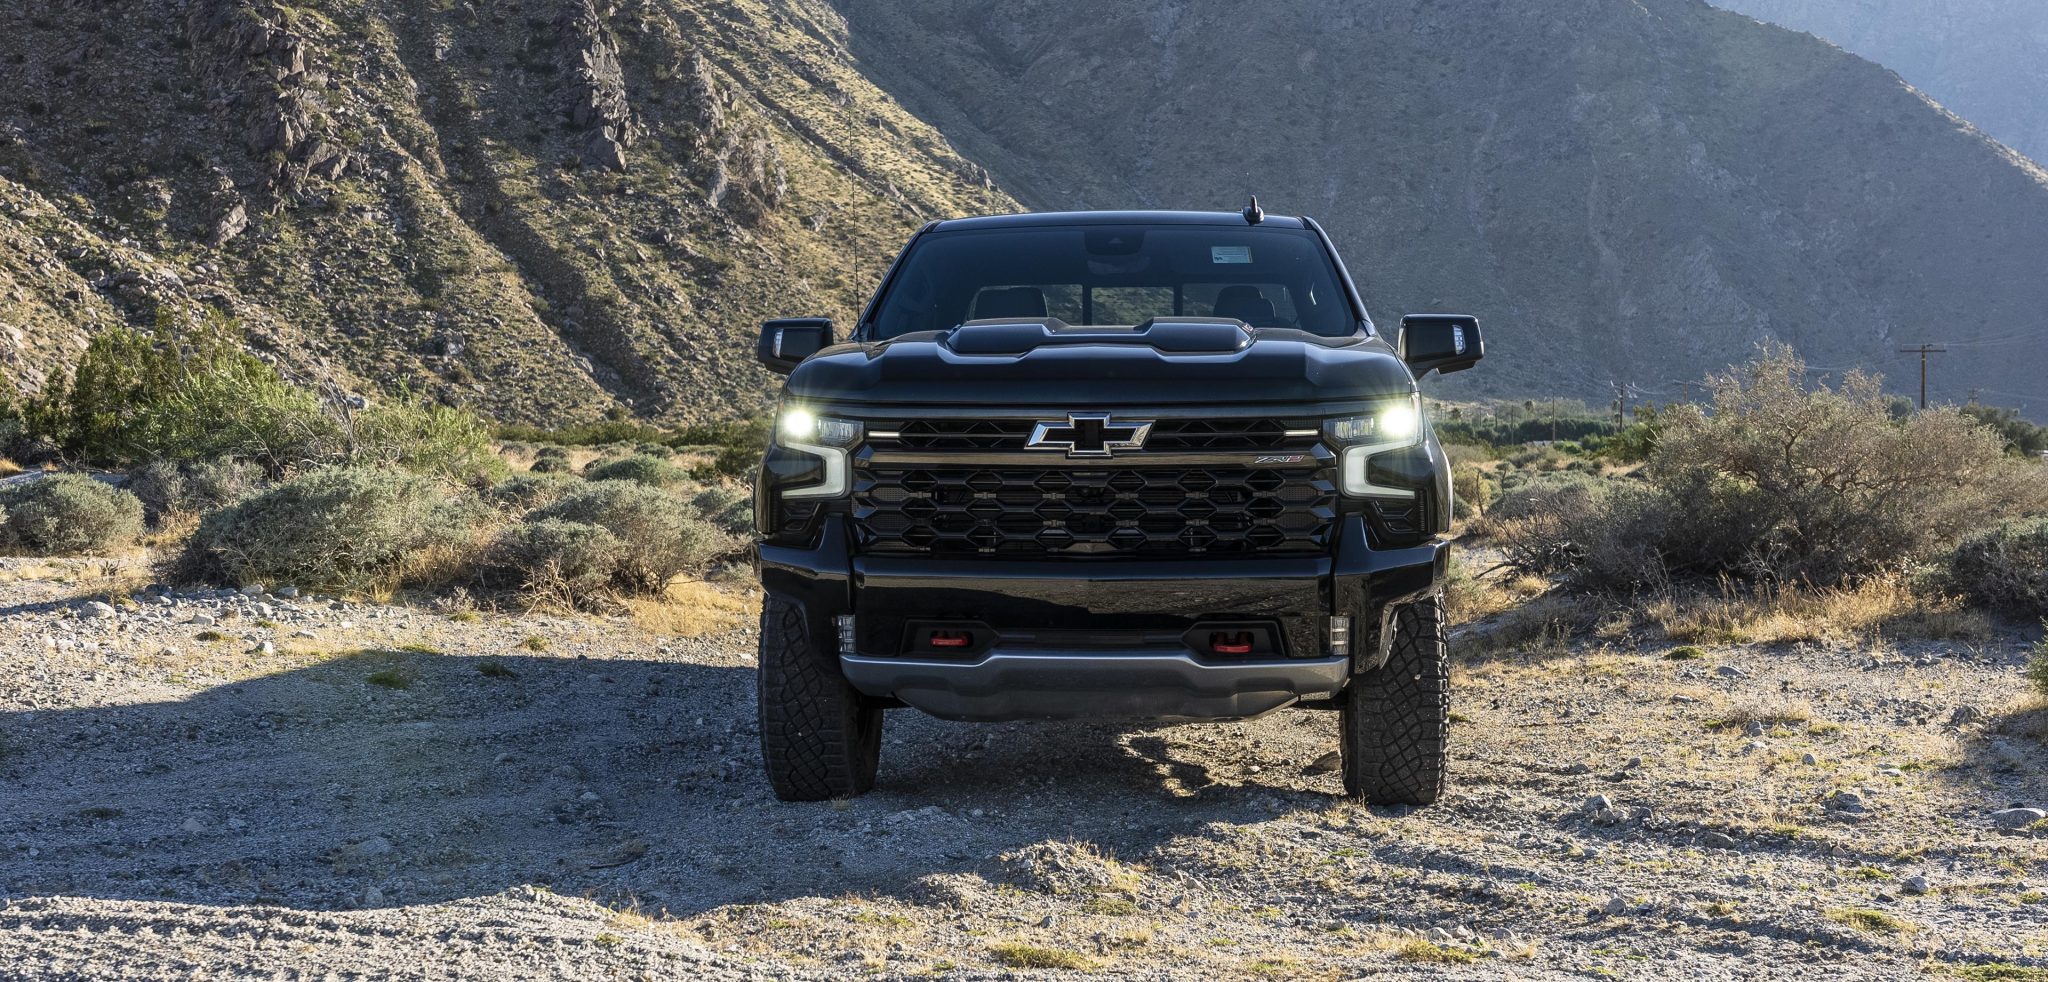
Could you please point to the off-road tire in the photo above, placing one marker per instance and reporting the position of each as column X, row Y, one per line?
column 820, row 738
column 1395, row 719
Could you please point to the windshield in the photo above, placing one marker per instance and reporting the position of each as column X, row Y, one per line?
column 1116, row 274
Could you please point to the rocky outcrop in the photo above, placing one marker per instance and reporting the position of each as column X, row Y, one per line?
column 260, row 65
column 597, row 105
column 747, row 175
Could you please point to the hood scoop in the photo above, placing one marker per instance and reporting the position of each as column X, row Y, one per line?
column 1177, row 335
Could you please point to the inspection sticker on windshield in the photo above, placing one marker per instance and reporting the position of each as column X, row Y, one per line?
column 1230, row 255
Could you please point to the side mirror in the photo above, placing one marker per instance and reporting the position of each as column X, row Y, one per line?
column 786, row 342
column 1443, row 343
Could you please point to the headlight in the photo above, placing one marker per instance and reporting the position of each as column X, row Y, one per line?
column 801, row 426
column 823, row 437
column 1391, row 426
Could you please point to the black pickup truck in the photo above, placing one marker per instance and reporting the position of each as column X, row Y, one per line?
column 1107, row 465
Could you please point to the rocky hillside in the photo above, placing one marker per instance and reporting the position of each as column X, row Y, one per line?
column 550, row 209
column 1985, row 59
column 1627, row 190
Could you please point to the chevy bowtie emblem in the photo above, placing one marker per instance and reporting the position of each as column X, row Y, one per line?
column 1088, row 435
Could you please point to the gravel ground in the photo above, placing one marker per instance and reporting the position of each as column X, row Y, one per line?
column 395, row 792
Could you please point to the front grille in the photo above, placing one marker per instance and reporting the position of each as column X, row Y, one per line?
column 1131, row 511
column 1239, row 435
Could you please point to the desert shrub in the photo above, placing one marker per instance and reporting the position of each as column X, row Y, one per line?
column 426, row 438
column 524, row 492
column 565, row 560
column 739, row 446
column 660, row 535
column 178, row 393
column 655, row 472
column 334, row 529
column 1472, row 490
column 552, row 460
column 2021, row 437
column 586, row 434
column 2037, row 665
column 1837, row 488
column 170, row 487
column 1603, row 531
column 730, row 508
column 2004, row 568
column 68, row 514
column 1780, row 483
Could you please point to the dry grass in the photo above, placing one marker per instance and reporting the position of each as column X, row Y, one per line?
column 9, row 468
column 2026, row 717
column 1017, row 954
column 1768, row 711
column 1541, row 627
column 1873, row 921
column 693, row 608
column 1469, row 596
column 1426, row 952
column 1863, row 614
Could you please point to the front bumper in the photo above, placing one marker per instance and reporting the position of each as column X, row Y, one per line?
column 1065, row 683
column 1103, row 639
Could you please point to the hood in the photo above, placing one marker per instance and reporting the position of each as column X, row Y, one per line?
column 1187, row 361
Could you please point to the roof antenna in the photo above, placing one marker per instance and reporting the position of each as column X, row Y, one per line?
column 1253, row 214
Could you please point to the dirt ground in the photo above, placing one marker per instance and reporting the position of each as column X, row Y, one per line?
column 399, row 792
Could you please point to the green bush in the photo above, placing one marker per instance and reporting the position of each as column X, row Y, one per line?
column 2005, row 568
column 549, row 555
column 522, row 493
column 335, row 529
column 69, row 514
column 655, row 472
column 425, row 438
column 552, row 460
column 660, row 536
column 178, row 394
column 730, row 508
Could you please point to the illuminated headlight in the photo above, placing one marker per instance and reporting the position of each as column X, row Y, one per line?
column 823, row 437
column 801, row 426
column 1391, row 426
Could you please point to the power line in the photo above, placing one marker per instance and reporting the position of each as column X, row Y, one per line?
column 1923, row 350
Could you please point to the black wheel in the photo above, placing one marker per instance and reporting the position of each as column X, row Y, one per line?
column 1396, row 718
column 820, row 738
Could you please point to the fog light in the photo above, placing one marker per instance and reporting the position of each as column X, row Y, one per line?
column 846, row 635
column 1340, row 636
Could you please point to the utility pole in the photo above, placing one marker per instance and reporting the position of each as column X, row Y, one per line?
column 1923, row 350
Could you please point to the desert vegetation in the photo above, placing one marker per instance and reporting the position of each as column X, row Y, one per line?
column 244, row 477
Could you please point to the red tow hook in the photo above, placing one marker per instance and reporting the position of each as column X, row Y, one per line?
column 951, row 639
column 1239, row 643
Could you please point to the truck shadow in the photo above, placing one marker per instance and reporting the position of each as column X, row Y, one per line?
column 386, row 778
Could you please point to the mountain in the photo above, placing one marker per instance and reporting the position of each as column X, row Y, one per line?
column 1985, row 59
column 548, row 209
column 1626, row 191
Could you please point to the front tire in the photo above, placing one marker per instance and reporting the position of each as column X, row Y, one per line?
column 1396, row 719
column 820, row 738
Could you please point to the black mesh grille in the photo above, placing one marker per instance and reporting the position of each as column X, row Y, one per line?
column 1167, row 434
column 1131, row 511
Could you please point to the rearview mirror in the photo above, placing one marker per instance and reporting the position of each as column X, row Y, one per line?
column 786, row 342
column 1443, row 343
